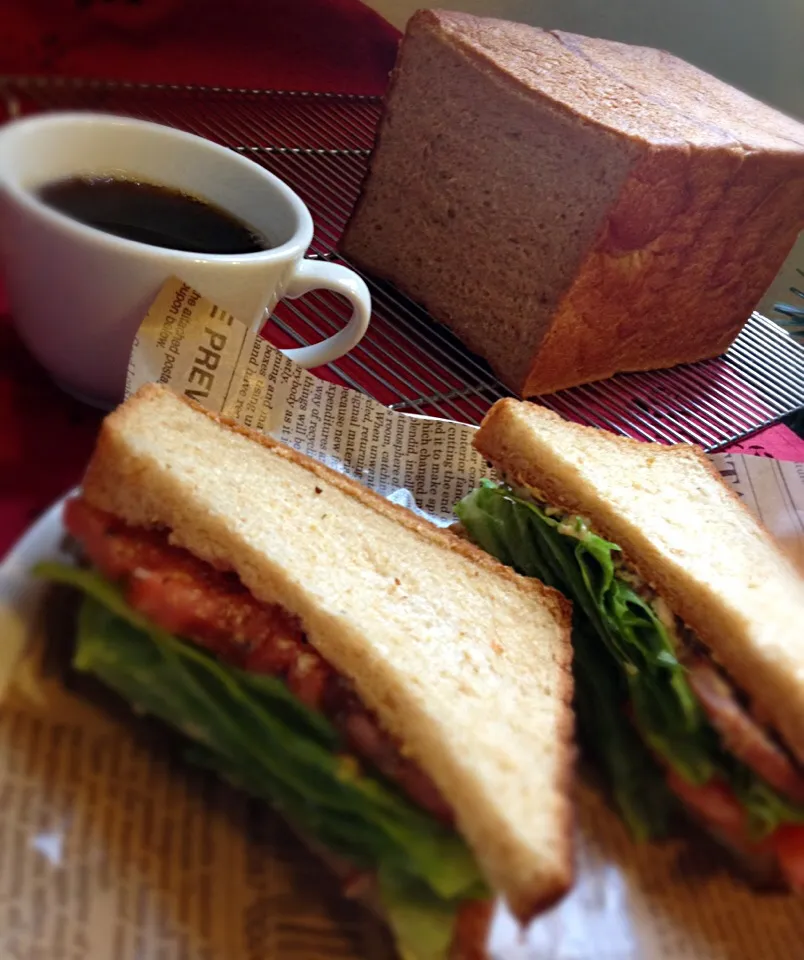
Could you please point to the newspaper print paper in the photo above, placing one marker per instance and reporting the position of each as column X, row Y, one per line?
column 111, row 847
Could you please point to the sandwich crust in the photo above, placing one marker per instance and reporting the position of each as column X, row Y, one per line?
column 686, row 533
column 465, row 662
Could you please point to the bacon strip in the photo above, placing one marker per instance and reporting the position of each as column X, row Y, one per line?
column 741, row 733
column 212, row 608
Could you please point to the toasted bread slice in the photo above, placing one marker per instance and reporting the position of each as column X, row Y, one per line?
column 687, row 534
column 465, row 662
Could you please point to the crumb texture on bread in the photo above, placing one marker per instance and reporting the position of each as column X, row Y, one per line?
column 464, row 661
column 573, row 207
column 687, row 534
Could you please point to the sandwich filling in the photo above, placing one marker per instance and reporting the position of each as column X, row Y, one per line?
column 651, row 693
column 191, row 645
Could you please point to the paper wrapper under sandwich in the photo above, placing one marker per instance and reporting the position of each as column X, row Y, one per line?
column 110, row 847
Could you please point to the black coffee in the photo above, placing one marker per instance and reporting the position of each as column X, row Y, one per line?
column 159, row 216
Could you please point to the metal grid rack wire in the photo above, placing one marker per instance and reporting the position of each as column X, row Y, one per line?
column 320, row 144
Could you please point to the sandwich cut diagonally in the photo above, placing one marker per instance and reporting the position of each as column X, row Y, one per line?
column 403, row 699
column 689, row 650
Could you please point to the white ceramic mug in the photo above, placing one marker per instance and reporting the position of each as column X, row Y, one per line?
column 78, row 295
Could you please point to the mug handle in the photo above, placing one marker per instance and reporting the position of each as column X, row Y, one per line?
column 320, row 275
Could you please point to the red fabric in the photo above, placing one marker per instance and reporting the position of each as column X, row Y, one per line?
column 778, row 442
column 333, row 45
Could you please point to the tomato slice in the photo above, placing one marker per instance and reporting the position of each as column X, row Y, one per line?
column 714, row 802
column 788, row 844
column 717, row 806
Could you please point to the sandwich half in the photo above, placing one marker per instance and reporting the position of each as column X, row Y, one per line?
column 688, row 627
column 403, row 699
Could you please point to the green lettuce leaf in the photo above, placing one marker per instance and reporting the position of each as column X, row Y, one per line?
column 423, row 925
column 641, row 669
column 606, row 735
column 522, row 536
column 253, row 731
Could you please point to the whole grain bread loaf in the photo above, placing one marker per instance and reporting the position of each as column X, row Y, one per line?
column 571, row 207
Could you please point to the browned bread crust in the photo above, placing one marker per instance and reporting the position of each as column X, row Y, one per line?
column 466, row 663
column 571, row 207
column 95, row 479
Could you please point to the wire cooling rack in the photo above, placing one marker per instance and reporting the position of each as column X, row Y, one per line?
column 320, row 144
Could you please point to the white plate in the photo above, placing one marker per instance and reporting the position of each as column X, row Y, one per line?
column 20, row 593
column 619, row 886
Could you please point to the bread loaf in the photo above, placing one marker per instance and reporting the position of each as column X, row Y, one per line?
column 571, row 207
